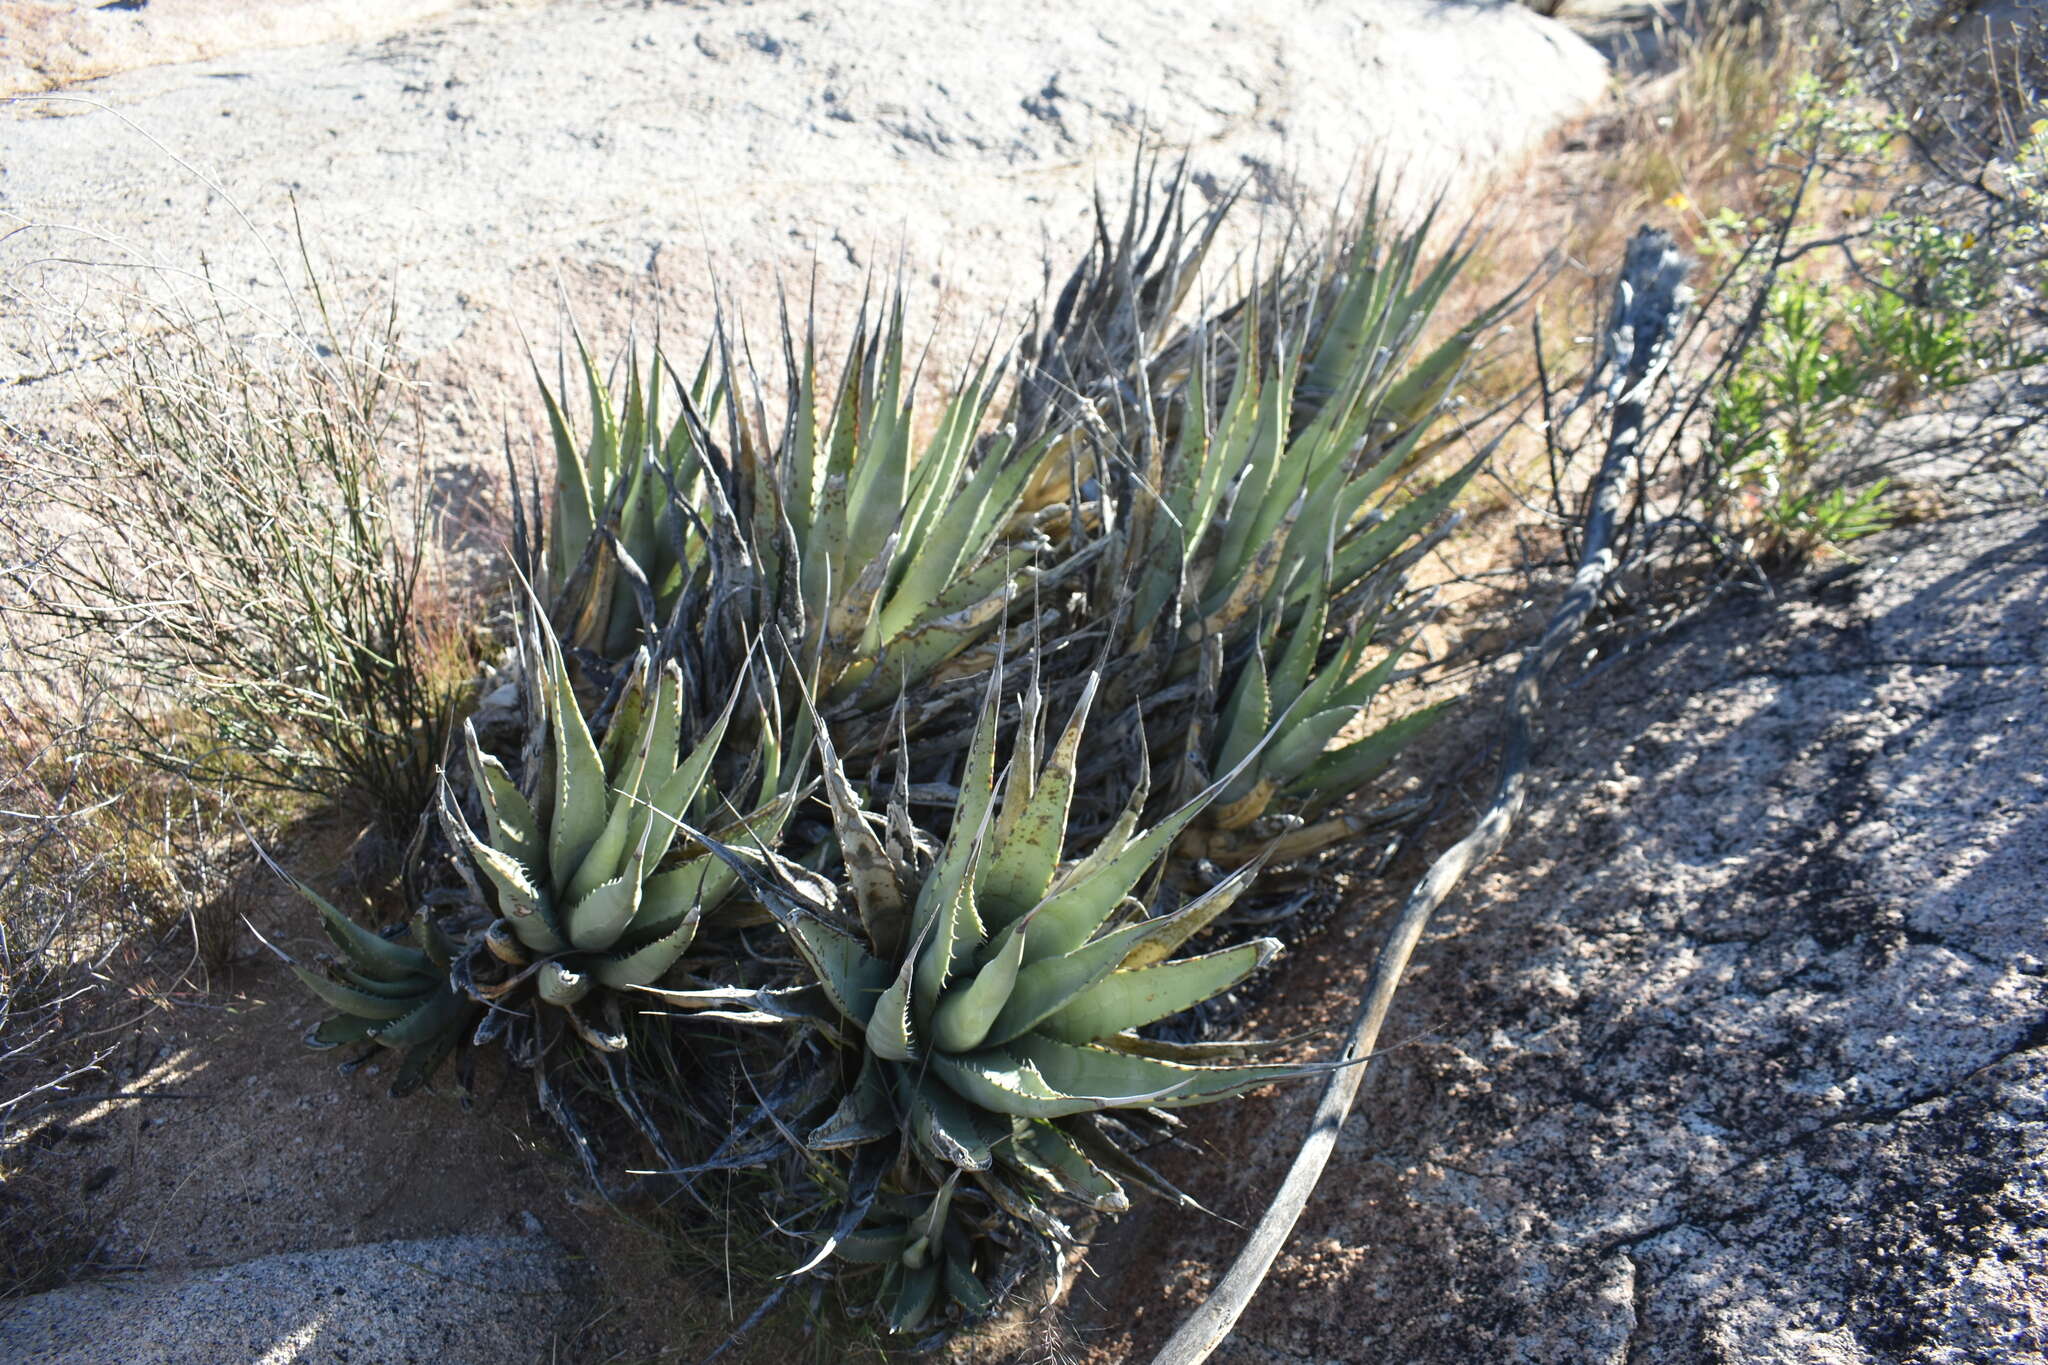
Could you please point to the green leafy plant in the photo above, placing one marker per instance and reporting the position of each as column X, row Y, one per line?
column 1910, row 306
column 1829, row 361
column 394, row 994
column 992, row 994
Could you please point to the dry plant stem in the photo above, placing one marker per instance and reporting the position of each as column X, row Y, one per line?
column 1650, row 298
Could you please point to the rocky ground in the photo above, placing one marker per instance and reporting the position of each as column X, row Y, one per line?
column 1735, row 1054
column 393, row 1303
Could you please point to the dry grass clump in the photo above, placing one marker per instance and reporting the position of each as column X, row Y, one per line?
column 247, row 544
column 93, row 852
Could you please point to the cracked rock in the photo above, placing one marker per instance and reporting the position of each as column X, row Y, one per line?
column 439, row 1301
column 1738, row 1054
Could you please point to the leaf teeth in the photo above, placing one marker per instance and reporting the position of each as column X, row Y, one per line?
column 889, row 1032
column 356, row 1003
column 950, row 941
column 596, row 921
column 582, row 803
column 914, row 1300
column 863, row 1114
column 1045, row 1153
column 1004, row 1083
column 340, row 1030
column 1032, row 830
column 370, row 952
column 1251, row 710
column 850, row 976
column 1351, row 767
column 435, row 1014
column 622, row 739
column 644, row 966
column 1165, row 934
column 1095, row 1070
column 504, row 944
column 1128, row 999
column 513, row 827
column 1045, row 985
column 947, row 1128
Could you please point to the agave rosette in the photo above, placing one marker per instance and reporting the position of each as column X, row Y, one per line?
column 1263, row 545
column 619, row 542
column 391, row 993
column 891, row 561
column 579, row 866
column 992, row 995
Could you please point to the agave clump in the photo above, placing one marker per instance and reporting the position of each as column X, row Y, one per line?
column 394, row 994
column 1275, row 731
column 1205, row 532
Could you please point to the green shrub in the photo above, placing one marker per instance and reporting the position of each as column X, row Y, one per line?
column 1845, row 330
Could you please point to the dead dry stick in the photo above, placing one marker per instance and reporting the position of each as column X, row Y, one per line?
column 1649, row 300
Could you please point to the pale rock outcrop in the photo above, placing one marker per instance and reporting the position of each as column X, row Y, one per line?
column 444, row 1301
column 498, row 162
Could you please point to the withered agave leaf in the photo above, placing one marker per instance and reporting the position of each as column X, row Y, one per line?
column 875, row 878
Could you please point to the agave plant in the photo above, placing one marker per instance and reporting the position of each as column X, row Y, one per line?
column 390, row 993
column 880, row 560
column 1205, row 532
column 925, row 1253
column 891, row 563
column 1261, row 514
column 1290, row 711
column 618, row 540
column 989, row 995
column 578, row 866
